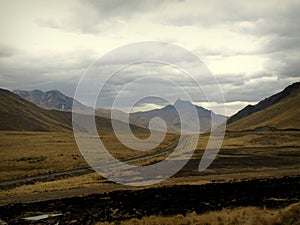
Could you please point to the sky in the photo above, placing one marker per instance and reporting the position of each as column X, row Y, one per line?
column 250, row 47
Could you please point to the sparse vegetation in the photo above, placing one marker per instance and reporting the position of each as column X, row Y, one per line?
column 283, row 115
column 32, row 153
column 246, row 140
column 246, row 215
column 55, row 185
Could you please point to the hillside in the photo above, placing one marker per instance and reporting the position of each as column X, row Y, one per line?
column 278, row 112
column 50, row 100
column 250, row 109
column 169, row 113
column 55, row 100
column 18, row 114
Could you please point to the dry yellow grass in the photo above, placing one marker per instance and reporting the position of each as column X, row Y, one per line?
column 244, row 140
column 120, row 151
column 245, row 215
column 57, row 185
column 32, row 153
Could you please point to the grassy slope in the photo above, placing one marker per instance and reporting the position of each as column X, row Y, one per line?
column 20, row 115
column 284, row 114
column 17, row 114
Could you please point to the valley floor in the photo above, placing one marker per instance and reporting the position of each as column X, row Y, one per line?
column 267, row 162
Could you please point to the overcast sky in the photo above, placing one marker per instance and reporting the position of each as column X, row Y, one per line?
column 251, row 47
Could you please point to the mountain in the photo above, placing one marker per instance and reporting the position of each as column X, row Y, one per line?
column 250, row 109
column 56, row 100
column 18, row 114
column 51, row 100
column 278, row 112
column 170, row 115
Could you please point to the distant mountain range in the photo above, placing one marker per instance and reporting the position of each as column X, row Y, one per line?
column 57, row 100
column 281, row 111
column 51, row 100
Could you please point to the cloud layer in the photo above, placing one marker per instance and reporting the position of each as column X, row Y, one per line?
column 252, row 48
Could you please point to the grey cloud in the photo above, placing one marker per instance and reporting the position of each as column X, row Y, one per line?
column 284, row 21
column 119, row 8
column 8, row 51
column 274, row 23
column 256, row 89
column 231, row 13
column 136, row 52
column 214, row 13
column 281, row 30
column 49, row 72
column 285, row 64
column 148, row 78
column 277, row 44
column 232, row 79
column 281, row 34
column 92, row 16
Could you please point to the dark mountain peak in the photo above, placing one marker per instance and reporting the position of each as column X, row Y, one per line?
column 57, row 96
column 55, row 92
column 184, row 104
column 180, row 102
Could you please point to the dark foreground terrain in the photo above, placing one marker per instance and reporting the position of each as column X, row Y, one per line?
column 121, row 205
